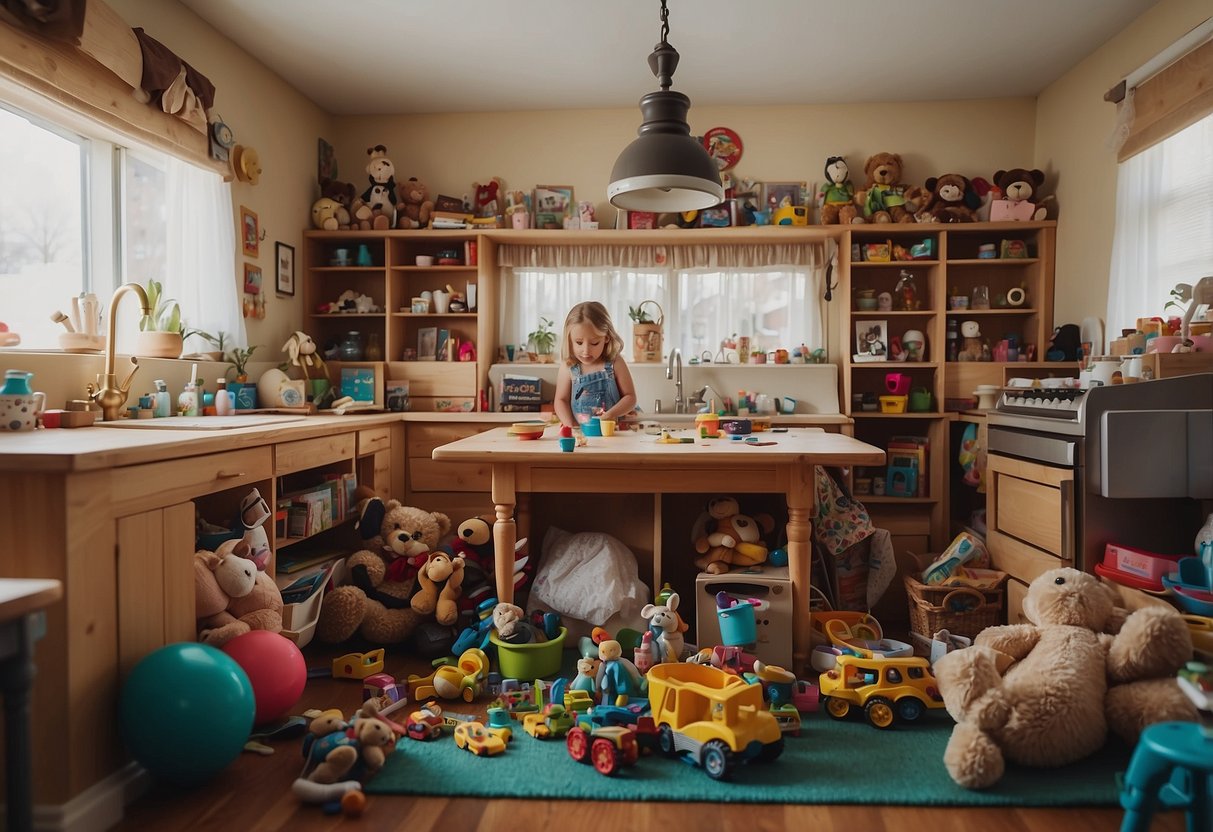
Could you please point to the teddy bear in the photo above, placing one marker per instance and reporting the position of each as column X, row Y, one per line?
column 340, row 754
column 439, row 581
column 473, row 542
column 948, row 200
column 376, row 207
column 329, row 215
column 730, row 537
column 837, row 194
column 1017, row 187
column 375, row 602
column 231, row 596
column 884, row 198
column 1045, row 693
column 487, row 197
column 413, row 205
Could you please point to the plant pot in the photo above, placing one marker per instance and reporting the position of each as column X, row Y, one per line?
column 647, row 338
column 158, row 344
column 544, row 357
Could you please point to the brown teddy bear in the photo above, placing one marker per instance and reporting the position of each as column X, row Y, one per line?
column 231, row 596
column 1018, row 187
column 884, row 198
column 439, row 582
column 730, row 537
column 1044, row 694
column 340, row 754
column 947, row 200
column 413, row 205
column 376, row 601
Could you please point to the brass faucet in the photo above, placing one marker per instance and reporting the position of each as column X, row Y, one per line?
column 108, row 393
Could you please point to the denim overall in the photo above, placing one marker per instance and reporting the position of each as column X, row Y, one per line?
column 593, row 393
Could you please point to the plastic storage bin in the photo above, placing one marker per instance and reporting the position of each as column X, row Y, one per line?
column 529, row 661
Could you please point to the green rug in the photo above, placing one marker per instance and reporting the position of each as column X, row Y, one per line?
column 830, row 762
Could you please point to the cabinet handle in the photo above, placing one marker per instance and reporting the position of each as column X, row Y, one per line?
column 1068, row 522
column 228, row 475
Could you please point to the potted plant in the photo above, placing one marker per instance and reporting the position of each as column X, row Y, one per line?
column 160, row 333
column 543, row 340
column 239, row 357
column 646, row 332
column 217, row 341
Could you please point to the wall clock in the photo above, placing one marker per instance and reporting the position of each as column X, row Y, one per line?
column 221, row 141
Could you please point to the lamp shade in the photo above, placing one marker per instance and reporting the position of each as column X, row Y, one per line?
column 665, row 168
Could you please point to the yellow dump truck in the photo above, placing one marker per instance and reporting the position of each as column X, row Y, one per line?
column 711, row 717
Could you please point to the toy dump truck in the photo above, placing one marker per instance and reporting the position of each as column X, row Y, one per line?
column 711, row 718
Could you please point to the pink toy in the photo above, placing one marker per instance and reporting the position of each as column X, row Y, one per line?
column 274, row 666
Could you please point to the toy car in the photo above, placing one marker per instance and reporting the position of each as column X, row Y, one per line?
column 474, row 737
column 711, row 717
column 453, row 681
column 887, row 689
column 791, row 215
column 552, row 721
column 426, row 723
column 608, row 748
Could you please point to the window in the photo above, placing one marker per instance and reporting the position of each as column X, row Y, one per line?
column 1164, row 225
column 775, row 306
column 77, row 212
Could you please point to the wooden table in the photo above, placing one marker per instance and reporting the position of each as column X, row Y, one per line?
column 21, row 622
column 633, row 462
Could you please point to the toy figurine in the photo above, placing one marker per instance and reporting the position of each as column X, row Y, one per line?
column 906, row 291
column 253, row 513
column 617, row 677
column 667, row 642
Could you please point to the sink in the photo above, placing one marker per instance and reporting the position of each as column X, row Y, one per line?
column 205, row 422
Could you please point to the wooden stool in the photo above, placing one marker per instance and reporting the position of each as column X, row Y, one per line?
column 1172, row 768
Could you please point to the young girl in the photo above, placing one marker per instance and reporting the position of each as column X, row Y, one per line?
column 593, row 378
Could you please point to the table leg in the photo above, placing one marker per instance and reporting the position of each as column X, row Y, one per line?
column 16, row 677
column 801, row 502
column 505, row 531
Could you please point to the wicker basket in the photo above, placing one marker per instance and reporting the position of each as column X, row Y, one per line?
column 961, row 610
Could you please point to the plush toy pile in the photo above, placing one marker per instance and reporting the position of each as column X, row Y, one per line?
column 1045, row 693
column 231, row 596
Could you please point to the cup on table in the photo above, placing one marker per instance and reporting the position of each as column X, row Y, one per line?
column 607, row 426
column 19, row 411
column 567, row 443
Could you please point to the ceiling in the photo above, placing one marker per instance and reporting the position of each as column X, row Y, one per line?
column 375, row 57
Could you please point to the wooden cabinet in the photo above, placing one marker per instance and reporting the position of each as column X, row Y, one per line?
column 1030, row 515
column 1020, row 313
column 408, row 340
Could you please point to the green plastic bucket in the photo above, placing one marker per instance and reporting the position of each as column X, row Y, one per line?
column 529, row 661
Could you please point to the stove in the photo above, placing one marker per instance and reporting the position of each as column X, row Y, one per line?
column 1059, row 409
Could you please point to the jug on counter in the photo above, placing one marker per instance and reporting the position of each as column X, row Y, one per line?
column 19, row 404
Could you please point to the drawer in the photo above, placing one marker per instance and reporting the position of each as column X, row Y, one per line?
column 422, row 439
column 139, row 487
column 374, row 439
column 428, row 475
column 1016, row 592
column 1038, row 510
column 1019, row 560
column 290, row 457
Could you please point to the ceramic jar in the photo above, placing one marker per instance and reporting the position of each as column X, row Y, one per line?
column 19, row 404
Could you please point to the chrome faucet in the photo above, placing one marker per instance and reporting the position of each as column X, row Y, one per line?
column 674, row 370
column 108, row 393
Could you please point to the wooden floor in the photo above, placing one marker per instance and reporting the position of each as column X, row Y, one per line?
column 253, row 794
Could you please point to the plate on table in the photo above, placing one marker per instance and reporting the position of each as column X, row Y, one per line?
column 527, row 430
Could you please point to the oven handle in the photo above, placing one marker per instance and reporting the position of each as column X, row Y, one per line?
column 1067, row 520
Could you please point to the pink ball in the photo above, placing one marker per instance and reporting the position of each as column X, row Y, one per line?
column 274, row 666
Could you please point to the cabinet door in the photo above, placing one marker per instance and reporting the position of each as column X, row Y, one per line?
column 155, row 581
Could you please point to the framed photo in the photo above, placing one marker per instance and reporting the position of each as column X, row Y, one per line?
column 871, row 340
column 779, row 194
column 250, row 232
column 326, row 162
column 552, row 204
column 427, row 343
column 252, row 279
column 642, row 219
column 285, row 258
column 364, row 382
column 720, row 216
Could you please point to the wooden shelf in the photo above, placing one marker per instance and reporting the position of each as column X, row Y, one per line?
column 433, row 314
column 972, row 313
column 885, row 499
column 346, row 315
column 868, row 414
column 995, row 261
column 283, row 542
column 464, row 268
column 870, row 264
column 863, row 313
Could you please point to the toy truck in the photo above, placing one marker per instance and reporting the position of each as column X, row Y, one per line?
column 608, row 747
column 711, row 717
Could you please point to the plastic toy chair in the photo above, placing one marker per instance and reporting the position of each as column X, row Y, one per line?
column 1172, row 768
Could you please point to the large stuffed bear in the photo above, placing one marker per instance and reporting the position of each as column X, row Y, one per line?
column 1045, row 693
column 1021, row 195
column 375, row 602
column 376, row 208
column 726, row 537
column 231, row 596
column 884, row 198
column 948, row 200
column 413, row 204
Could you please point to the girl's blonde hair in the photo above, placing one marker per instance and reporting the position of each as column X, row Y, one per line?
column 595, row 314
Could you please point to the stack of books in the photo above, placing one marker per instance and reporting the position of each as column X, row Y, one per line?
column 520, row 394
column 908, row 473
column 450, row 219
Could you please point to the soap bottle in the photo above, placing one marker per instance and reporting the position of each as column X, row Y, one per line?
column 187, row 402
column 162, row 406
column 223, row 399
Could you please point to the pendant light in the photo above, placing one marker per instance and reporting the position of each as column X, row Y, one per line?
column 665, row 168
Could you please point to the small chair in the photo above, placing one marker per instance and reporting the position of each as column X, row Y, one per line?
column 1172, row 768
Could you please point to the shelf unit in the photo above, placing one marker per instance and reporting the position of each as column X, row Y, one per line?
column 921, row 524
column 392, row 283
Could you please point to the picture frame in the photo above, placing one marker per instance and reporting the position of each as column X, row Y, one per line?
column 364, row 382
column 252, row 279
column 326, row 162
column 427, row 343
column 871, row 340
column 250, row 232
column 552, row 204
column 645, row 220
column 719, row 216
column 284, row 257
column 774, row 194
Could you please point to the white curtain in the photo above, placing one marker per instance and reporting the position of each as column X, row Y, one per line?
column 201, row 253
column 1164, row 225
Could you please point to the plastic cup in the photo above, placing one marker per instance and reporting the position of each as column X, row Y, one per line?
column 607, row 426
column 567, row 443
